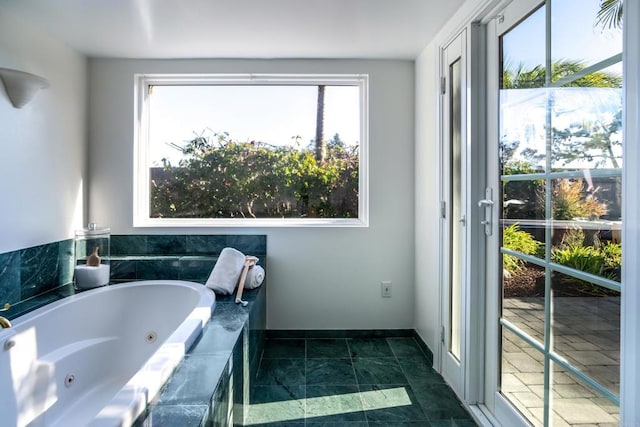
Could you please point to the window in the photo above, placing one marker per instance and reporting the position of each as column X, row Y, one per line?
column 251, row 150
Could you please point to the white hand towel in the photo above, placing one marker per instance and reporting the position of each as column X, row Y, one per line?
column 255, row 277
column 226, row 273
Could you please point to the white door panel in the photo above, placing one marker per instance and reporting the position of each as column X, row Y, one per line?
column 454, row 223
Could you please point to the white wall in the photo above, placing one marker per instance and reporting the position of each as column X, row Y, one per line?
column 42, row 145
column 318, row 278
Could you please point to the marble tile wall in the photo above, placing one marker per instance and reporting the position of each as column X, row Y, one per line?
column 181, row 244
column 33, row 271
column 43, row 270
column 176, row 257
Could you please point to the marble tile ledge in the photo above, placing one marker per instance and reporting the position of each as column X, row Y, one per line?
column 194, row 382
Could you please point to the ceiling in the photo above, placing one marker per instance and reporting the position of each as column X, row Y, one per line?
column 395, row 29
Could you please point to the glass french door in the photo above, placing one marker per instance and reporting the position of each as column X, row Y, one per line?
column 555, row 157
column 454, row 212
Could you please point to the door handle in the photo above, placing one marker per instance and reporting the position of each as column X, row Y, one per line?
column 487, row 204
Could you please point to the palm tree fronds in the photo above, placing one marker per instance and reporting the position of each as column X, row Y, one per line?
column 610, row 14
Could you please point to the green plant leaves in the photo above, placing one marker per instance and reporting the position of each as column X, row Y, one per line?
column 222, row 178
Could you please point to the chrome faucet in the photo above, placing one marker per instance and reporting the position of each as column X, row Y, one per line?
column 4, row 322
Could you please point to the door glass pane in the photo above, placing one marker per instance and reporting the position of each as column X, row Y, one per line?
column 456, row 208
column 522, row 376
column 579, row 39
column 522, row 130
column 574, row 403
column 587, row 224
column 526, row 312
column 523, row 53
column 523, row 105
column 586, row 329
column 587, row 126
column 560, row 167
column 523, row 98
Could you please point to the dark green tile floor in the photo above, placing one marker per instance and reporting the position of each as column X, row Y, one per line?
column 352, row 382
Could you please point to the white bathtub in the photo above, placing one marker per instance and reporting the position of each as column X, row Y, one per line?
column 97, row 358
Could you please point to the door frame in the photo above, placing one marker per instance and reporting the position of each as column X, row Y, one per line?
column 630, row 316
column 473, row 294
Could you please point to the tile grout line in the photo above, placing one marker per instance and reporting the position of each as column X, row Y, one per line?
column 355, row 376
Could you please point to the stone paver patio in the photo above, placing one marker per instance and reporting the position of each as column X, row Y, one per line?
column 585, row 332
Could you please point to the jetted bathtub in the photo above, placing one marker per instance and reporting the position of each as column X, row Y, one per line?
column 98, row 357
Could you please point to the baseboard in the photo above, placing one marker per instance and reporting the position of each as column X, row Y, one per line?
column 339, row 333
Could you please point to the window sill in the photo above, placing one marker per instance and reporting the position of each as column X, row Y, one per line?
column 250, row 222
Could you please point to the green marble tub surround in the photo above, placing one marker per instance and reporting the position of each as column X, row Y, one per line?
column 222, row 330
column 176, row 257
column 33, row 271
column 218, row 369
column 122, row 270
column 40, row 300
column 29, row 277
column 210, row 387
column 10, row 277
column 245, row 243
column 196, row 268
column 186, row 244
column 158, row 269
column 128, row 244
column 166, row 244
column 191, row 382
column 179, row 415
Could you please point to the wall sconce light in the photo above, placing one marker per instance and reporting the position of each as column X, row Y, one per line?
column 21, row 86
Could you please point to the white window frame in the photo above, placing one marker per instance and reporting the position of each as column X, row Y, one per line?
column 141, row 147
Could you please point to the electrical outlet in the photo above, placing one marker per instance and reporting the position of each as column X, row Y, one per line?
column 386, row 289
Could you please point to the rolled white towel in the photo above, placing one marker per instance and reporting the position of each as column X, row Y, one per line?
column 255, row 277
column 89, row 276
column 226, row 273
